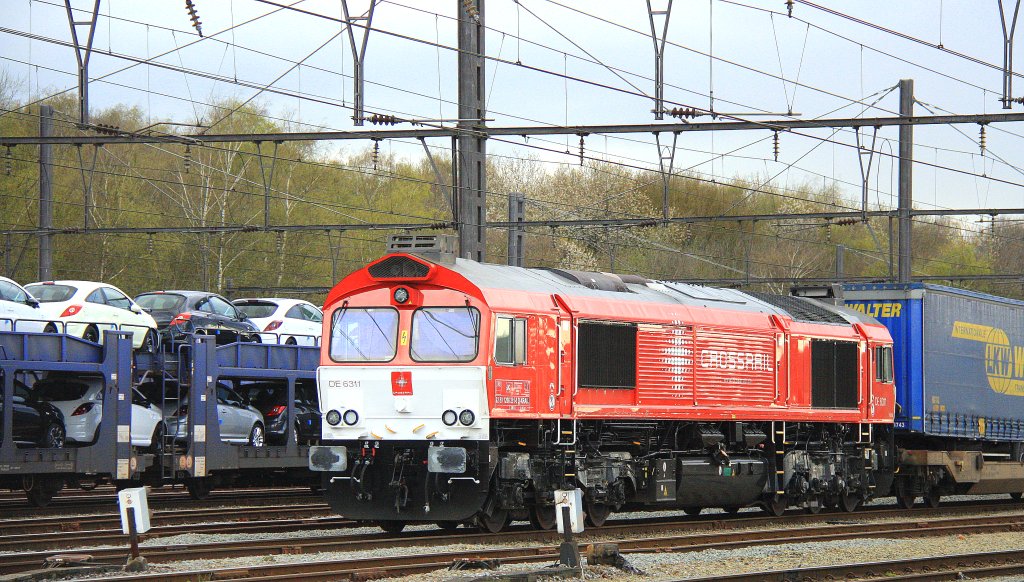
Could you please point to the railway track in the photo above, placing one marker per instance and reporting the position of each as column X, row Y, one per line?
column 931, row 569
column 176, row 499
column 718, row 534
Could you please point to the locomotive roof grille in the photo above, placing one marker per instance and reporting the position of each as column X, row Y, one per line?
column 801, row 309
column 399, row 268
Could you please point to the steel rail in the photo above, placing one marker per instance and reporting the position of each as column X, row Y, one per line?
column 709, row 534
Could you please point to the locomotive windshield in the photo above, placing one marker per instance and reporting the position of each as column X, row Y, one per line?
column 445, row 334
column 364, row 335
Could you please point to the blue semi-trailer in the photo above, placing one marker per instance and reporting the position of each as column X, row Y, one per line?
column 959, row 372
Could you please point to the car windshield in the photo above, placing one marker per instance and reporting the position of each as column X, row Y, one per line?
column 51, row 293
column 57, row 391
column 160, row 301
column 364, row 335
column 256, row 309
column 445, row 334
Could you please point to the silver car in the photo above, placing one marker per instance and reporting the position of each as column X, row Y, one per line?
column 240, row 423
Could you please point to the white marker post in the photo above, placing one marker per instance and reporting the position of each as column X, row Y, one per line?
column 135, row 516
column 569, row 513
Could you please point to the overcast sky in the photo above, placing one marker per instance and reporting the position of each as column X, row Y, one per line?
column 749, row 57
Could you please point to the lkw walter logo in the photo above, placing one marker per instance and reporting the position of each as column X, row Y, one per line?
column 1004, row 363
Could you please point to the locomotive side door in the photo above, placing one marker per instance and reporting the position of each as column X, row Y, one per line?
column 565, row 355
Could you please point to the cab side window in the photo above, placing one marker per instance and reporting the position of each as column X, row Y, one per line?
column 510, row 341
column 883, row 364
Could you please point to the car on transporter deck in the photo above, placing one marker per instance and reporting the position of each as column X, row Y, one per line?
column 19, row 310
column 284, row 321
column 182, row 314
column 86, row 309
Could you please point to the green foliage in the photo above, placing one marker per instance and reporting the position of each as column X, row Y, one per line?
column 170, row 185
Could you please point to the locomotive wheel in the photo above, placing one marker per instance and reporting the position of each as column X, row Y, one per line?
column 199, row 488
column 448, row 525
column 1016, row 496
column 850, row 502
column 597, row 513
column 933, row 499
column 692, row 510
column 494, row 522
column 733, row 510
column 905, row 500
column 543, row 517
column 391, row 526
column 775, row 506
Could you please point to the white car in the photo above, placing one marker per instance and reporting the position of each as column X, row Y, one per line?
column 84, row 309
column 19, row 310
column 284, row 321
column 81, row 402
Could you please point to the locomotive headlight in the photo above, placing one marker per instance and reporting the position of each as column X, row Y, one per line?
column 401, row 295
column 333, row 418
column 350, row 417
column 449, row 417
column 466, row 417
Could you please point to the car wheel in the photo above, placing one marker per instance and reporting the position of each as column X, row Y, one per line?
column 50, row 328
column 255, row 338
column 92, row 334
column 53, row 437
column 256, row 436
column 291, row 341
column 156, row 445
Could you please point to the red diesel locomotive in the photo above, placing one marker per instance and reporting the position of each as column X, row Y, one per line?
column 455, row 392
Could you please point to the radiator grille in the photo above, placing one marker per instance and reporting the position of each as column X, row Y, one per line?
column 399, row 268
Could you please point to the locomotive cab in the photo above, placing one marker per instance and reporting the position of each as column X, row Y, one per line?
column 404, row 396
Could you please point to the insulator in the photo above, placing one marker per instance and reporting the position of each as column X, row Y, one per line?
column 847, row 221
column 7, row 162
column 1017, row 100
column 381, row 119
column 376, row 153
column 789, row 8
column 150, row 245
column 106, row 129
column 187, row 158
column 471, row 10
column 194, row 16
column 581, row 150
column 981, row 138
column 685, row 112
column 775, row 145
column 828, row 232
column 280, row 241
